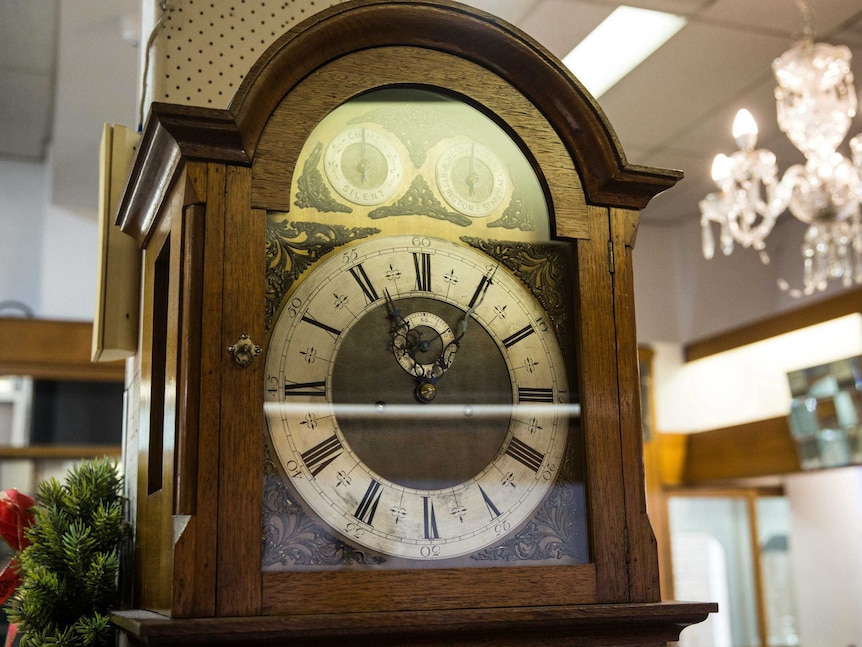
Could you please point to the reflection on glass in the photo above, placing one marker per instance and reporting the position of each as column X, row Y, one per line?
column 825, row 413
column 773, row 523
column 713, row 556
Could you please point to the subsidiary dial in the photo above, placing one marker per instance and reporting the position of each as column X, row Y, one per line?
column 472, row 179
column 424, row 345
column 363, row 166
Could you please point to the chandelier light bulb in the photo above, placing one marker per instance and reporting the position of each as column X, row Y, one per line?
column 721, row 169
column 745, row 130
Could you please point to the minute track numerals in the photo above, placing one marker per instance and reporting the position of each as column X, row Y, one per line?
column 451, row 473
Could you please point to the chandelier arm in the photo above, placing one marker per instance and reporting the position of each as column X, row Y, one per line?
column 807, row 20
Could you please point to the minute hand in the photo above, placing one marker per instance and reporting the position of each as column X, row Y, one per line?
column 475, row 302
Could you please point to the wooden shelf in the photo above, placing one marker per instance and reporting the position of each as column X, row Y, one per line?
column 845, row 303
column 58, row 452
column 53, row 350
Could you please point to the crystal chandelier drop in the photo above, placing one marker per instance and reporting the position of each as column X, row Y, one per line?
column 816, row 102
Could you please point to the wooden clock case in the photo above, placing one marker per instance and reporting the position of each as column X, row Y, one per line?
column 196, row 204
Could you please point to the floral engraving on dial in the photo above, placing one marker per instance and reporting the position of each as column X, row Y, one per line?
column 542, row 268
column 312, row 190
column 291, row 247
column 292, row 537
column 420, row 201
column 419, row 126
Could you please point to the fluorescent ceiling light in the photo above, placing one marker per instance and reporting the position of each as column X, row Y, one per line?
column 619, row 44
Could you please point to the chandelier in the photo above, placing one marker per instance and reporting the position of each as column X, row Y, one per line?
column 816, row 102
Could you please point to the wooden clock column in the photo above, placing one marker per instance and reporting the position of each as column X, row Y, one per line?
column 203, row 188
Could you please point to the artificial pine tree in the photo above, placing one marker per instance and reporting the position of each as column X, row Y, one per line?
column 69, row 570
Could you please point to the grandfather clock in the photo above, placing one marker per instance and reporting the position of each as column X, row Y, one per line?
column 386, row 387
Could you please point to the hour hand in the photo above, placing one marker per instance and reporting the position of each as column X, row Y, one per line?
column 394, row 313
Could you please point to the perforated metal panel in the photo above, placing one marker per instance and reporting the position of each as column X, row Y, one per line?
column 202, row 49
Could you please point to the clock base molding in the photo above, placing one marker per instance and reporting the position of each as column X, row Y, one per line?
column 616, row 625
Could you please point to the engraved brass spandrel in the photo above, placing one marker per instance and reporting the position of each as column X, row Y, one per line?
column 312, row 189
column 542, row 268
column 420, row 201
column 292, row 247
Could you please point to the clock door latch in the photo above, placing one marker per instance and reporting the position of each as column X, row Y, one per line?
column 244, row 351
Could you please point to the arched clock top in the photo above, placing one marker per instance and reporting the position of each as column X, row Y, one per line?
column 175, row 133
column 476, row 36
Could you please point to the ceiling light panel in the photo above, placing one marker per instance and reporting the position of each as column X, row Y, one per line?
column 619, row 44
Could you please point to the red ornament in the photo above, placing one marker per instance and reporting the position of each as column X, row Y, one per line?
column 15, row 517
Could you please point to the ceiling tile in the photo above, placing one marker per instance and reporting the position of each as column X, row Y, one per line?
column 29, row 34
column 783, row 17
column 559, row 25
column 681, row 83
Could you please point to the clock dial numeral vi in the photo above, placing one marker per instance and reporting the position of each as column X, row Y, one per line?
column 430, row 519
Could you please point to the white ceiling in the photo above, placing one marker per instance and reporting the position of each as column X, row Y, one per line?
column 673, row 111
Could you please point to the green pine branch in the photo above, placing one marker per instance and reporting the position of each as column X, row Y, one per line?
column 69, row 570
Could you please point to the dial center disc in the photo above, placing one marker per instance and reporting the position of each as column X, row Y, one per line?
column 423, row 345
column 422, row 445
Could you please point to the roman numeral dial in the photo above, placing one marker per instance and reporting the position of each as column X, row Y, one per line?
column 370, row 330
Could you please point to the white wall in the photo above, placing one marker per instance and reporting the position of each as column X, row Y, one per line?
column 826, row 553
column 69, row 258
column 22, row 204
column 657, row 278
column 48, row 253
column 680, row 296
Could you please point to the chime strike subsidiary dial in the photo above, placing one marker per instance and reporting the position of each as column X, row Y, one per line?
column 472, row 179
column 363, row 166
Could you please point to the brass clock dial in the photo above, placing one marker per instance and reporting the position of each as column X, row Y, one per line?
column 416, row 398
column 363, row 166
column 472, row 179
